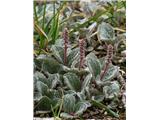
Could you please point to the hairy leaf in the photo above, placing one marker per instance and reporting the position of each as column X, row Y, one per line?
column 51, row 65
column 66, row 116
column 81, row 96
column 72, row 81
column 70, row 92
column 45, row 104
column 57, row 94
column 39, row 60
column 37, row 96
column 54, row 79
column 69, row 103
column 93, row 64
column 72, row 56
column 39, row 77
column 111, row 90
column 86, row 81
column 111, row 73
column 58, row 53
column 42, row 88
column 81, row 107
column 106, row 32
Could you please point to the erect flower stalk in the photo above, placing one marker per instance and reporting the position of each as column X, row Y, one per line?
column 66, row 39
column 108, row 61
column 82, row 53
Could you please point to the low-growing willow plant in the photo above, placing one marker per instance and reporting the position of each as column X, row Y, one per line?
column 85, row 79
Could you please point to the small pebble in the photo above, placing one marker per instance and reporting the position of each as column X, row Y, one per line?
column 105, row 113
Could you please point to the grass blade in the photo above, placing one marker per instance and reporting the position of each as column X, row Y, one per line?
column 42, row 35
column 35, row 12
column 53, row 33
column 100, row 105
column 94, row 18
column 44, row 12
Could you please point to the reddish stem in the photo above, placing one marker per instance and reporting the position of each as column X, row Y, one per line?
column 109, row 60
column 104, row 71
column 82, row 53
column 66, row 38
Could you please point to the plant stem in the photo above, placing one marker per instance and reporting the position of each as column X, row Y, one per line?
column 35, row 12
column 66, row 38
column 109, row 58
column 82, row 53
column 104, row 71
column 44, row 12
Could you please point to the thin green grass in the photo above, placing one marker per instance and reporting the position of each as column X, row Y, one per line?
column 44, row 12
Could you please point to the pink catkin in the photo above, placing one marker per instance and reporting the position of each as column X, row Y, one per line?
column 66, row 39
column 109, row 60
column 82, row 53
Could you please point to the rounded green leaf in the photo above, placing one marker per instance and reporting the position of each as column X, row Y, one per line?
column 37, row 96
column 86, row 81
column 72, row 81
column 58, row 52
column 93, row 64
column 72, row 56
column 81, row 107
column 42, row 88
column 111, row 73
column 45, row 104
column 106, row 32
column 69, row 103
column 111, row 90
column 51, row 65
column 54, row 79
column 38, row 76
